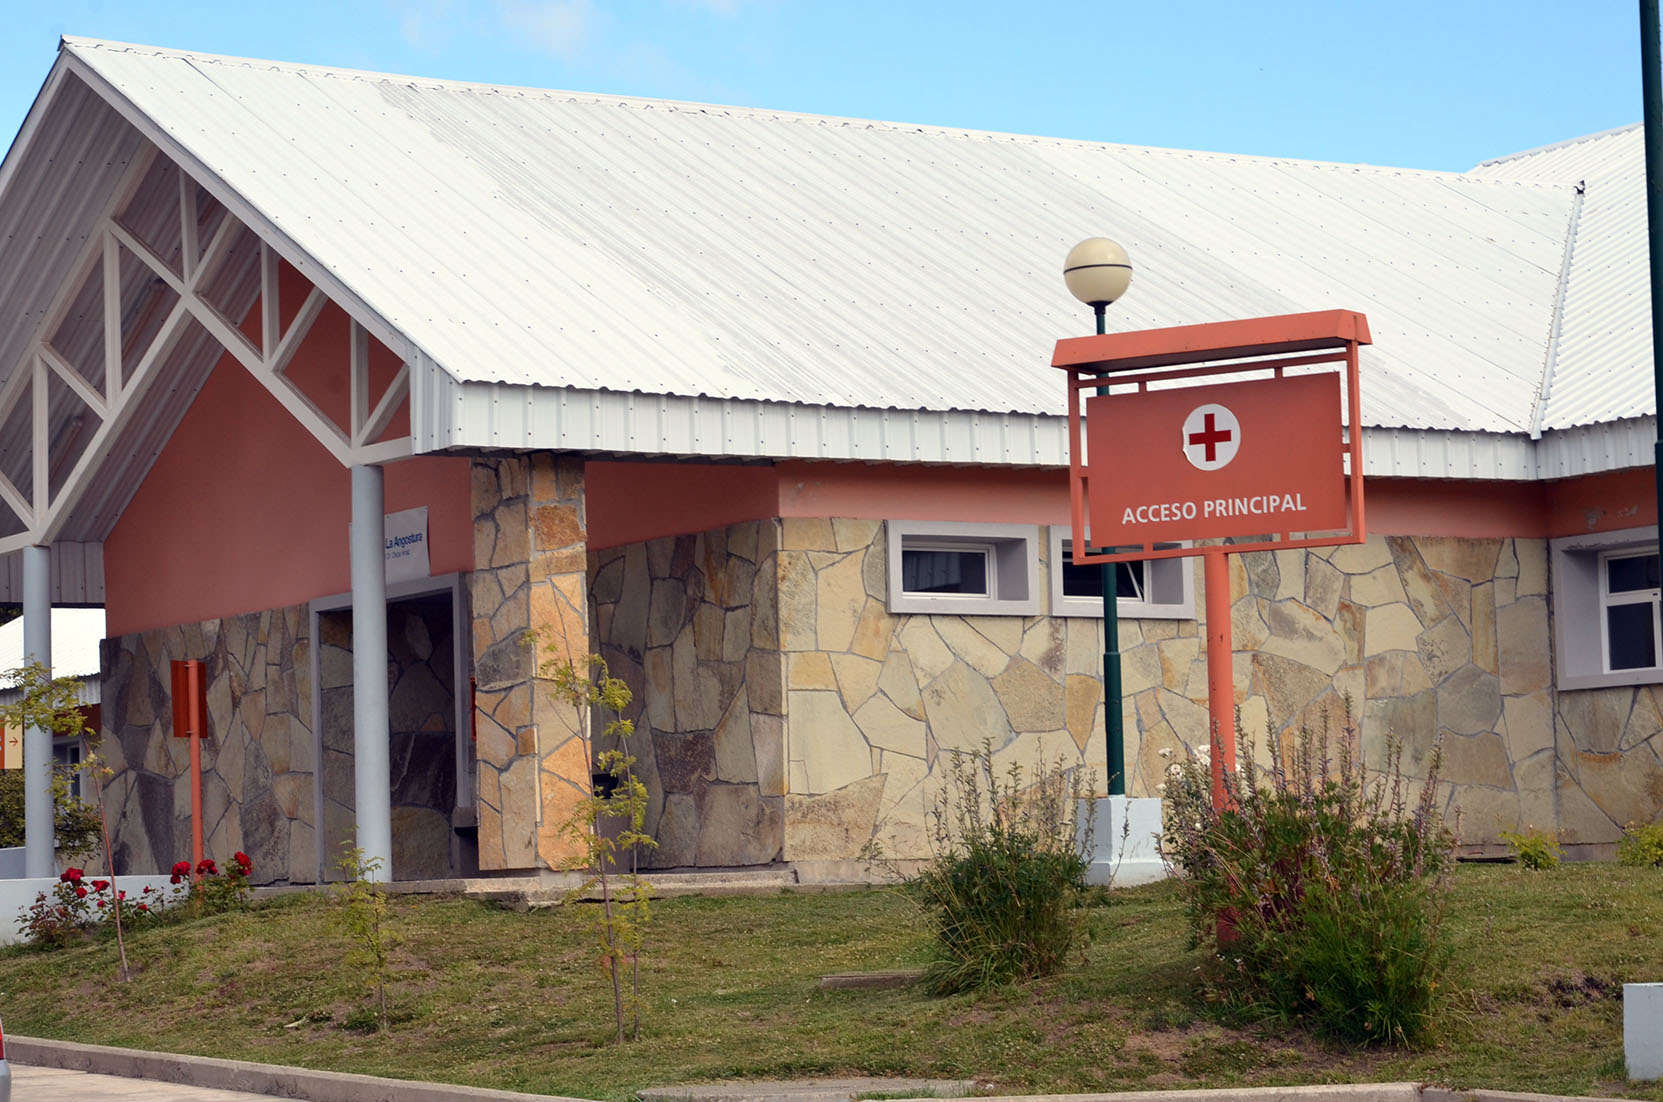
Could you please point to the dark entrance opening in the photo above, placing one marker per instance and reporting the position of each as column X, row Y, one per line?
column 421, row 714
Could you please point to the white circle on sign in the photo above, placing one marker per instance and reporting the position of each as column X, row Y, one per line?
column 1212, row 436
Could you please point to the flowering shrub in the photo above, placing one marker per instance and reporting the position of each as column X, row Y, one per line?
column 1319, row 890
column 227, row 891
column 77, row 902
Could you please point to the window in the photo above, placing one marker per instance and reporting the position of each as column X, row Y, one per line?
column 66, row 752
column 970, row 569
column 1629, row 594
column 1607, row 628
column 1155, row 589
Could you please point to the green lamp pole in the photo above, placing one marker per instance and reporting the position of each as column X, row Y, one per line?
column 1651, row 93
column 1097, row 272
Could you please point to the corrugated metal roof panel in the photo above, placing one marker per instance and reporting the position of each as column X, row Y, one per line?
column 590, row 243
column 76, row 633
column 1602, row 371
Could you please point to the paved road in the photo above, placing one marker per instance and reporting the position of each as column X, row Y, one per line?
column 30, row 1084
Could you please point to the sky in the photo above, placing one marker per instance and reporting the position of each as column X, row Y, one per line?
column 1414, row 83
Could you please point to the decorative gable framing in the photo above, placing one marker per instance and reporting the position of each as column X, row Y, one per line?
column 164, row 262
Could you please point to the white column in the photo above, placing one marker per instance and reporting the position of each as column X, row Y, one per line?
column 39, row 857
column 372, row 770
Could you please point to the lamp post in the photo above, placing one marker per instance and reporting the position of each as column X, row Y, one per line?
column 1097, row 272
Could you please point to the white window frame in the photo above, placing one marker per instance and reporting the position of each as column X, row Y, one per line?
column 1648, row 597
column 71, row 750
column 1169, row 587
column 1580, row 599
column 1012, row 575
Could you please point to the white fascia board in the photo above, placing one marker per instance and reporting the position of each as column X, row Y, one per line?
column 250, row 216
column 19, row 150
column 447, row 415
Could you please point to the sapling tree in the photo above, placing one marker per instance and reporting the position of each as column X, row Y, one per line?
column 609, row 827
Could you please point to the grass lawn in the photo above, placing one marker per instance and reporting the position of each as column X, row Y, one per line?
column 494, row 998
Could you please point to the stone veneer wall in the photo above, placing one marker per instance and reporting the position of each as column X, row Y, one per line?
column 530, row 576
column 1429, row 636
column 258, row 763
column 689, row 623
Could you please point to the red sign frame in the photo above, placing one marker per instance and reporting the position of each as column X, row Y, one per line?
column 1157, row 371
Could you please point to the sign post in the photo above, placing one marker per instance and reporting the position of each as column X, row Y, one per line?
column 1224, row 438
column 190, row 720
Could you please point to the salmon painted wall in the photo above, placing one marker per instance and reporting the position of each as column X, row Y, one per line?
column 245, row 511
column 638, row 501
column 631, row 502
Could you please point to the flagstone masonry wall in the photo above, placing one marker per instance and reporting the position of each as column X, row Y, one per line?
column 1430, row 637
column 257, row 765
column 689, row 623
column 530, row 581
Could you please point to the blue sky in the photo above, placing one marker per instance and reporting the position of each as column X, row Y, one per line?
column 1412, row 83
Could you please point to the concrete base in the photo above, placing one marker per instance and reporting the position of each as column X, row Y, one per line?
column 1124, row 840
column 1643, row 1029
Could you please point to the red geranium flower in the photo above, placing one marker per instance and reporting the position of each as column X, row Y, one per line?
column 71, row 875
column 143, row 907
column 147, row 889
column 101, row 904
column 175, row 878
column 80, row 892
column 100, row 885
column 181, row 868
column 206, row 867
column 121, row 895
column 244, row 862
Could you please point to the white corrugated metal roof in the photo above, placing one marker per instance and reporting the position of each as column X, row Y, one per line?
column 621, row 275
column 595, row 243
column 1601, row 368
column 76, row 633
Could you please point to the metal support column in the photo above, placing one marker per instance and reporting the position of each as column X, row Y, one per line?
column 372, row 769
column 39, row 856
column 1221, row 673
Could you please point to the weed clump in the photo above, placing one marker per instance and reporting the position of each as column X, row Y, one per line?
column 1000, row 893
column 1641, row 846
column 1320, row 891
column 1532, row 848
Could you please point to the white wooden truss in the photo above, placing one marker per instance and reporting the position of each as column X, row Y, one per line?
column 44, row 511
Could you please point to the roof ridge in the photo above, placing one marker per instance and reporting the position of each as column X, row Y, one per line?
column 1550, row 360
column 742, row 111
column 1597, row 135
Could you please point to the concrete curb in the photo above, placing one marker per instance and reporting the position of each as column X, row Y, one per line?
column 811, row 1090
column 241, row 1075
column 334, row 1086
column 1325, row 1092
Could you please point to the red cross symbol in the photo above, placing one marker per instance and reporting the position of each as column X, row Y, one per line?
column 1210, row 437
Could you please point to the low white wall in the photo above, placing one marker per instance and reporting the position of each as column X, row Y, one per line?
column 17, row 894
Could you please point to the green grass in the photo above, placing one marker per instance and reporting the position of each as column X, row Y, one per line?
column 491, row 997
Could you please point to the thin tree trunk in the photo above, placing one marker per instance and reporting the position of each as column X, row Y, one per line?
column 115, row 891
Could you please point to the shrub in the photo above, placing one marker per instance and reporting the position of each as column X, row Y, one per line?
column 1641, row 845
column 1320, row 891
column 1000, row 893
column 1532, row 849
